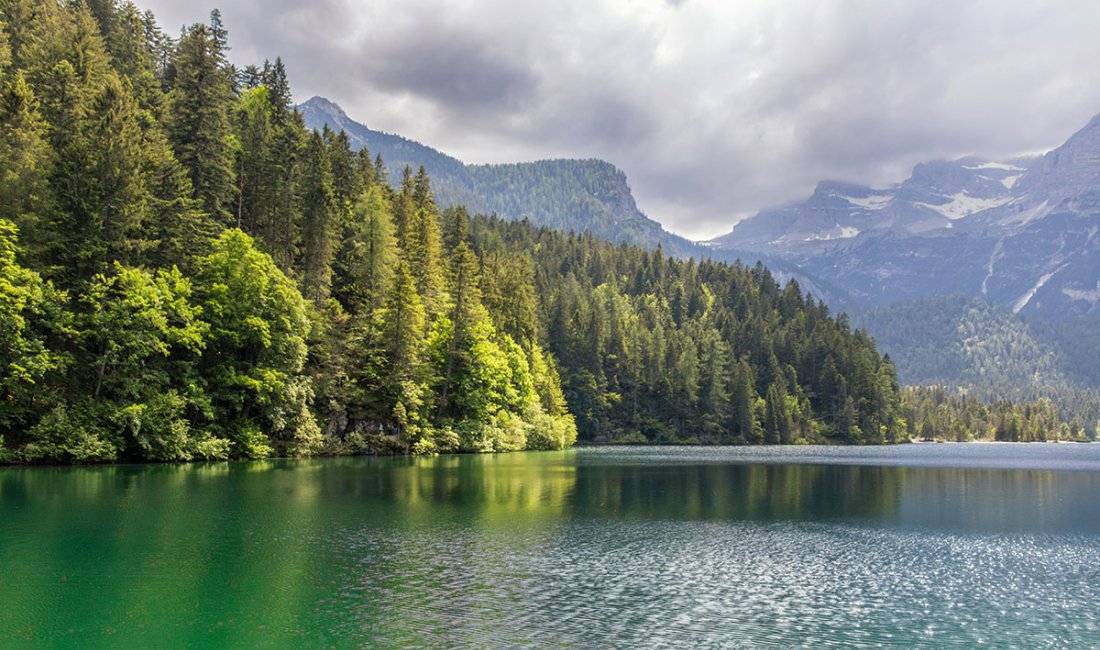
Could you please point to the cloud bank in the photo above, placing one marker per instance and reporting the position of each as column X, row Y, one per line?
column 714, row 109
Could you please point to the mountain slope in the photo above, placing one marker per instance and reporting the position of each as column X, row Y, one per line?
column 963, row 341
column 1023, row 234
column 578, row 195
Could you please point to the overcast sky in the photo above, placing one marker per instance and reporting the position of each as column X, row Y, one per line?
column 715, row 109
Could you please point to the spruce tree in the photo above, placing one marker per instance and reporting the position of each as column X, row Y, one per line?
column 25, row 161
column 319, row 221
column 198, row 119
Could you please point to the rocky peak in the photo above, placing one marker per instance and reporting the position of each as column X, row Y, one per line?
column 1074, row 165
column 324, row 106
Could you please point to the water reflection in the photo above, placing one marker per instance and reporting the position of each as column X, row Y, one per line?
column 949, row 499
column 753, row 492
column 541, row 549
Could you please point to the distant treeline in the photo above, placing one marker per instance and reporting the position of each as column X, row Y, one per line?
column 937, row 413
column 963, row 341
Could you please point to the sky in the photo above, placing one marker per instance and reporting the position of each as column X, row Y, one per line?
column 714, row 109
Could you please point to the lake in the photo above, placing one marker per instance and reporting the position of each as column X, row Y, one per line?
column 925, row 545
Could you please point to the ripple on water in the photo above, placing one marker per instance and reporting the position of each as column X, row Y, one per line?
column 666, row 583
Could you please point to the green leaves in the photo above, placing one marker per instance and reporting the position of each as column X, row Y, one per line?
column 256, row 349
column 32, row 318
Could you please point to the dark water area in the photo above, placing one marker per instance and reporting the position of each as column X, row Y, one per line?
column 907, row 546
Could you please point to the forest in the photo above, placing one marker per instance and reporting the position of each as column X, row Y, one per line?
column 187, row 272
column 963, row 342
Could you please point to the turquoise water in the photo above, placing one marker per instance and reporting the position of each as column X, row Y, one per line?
column 909, row 546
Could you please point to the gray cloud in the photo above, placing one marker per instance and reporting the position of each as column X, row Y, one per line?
column 461, row 73
column 714, row 109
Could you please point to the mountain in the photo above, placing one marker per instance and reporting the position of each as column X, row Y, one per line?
column 1023, row 234
column 579, row 195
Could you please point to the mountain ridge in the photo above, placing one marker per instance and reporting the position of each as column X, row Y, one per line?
column 568, row 194
column 1021, row 233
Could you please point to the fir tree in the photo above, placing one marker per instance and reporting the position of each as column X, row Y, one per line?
column 198, row 119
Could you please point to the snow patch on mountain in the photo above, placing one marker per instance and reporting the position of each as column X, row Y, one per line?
column 1023, row 233
column 1026, row 298
column 844, row 232
column 995, row 165
column 872, row 202
column 963, row 205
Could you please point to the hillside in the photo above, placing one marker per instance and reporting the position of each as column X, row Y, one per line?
column 965, row 342
column 570, row 195
column 960, row 340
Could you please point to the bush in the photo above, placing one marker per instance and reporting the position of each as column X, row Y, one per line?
column 250, row 442
column 546, row 432
column 68, row 435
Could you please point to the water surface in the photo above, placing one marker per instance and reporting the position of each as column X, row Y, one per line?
column 909, row 546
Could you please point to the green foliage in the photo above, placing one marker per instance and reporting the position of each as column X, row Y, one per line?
column 32, row 318
column 320, row 220
column 341, row 314
column 135, row 318
column 545, row 432
column 198, row 124
column 160, row 428
column 256, row 348
column 679, row 351
column 367, row 253
column 69, row 434
column 937, row 413
column 25, row 159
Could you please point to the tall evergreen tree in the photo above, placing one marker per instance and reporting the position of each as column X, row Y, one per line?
column 25, row 160
column 367, row 254
column 198, row 119
column 319, row 221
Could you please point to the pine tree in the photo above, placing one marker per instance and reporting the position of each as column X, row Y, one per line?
column 25, row 160
column 778, row 426
column 348, row 183
column 120, row 193
column 19, row 18
column 198, row 119
column 289, row 139
column 465, row 317
column 257, row 188
column 404, row 325
column 176, row 230
column 404, row 210
column 319, row 221
column 424, row 248
column 743, row 404
column 367, row 254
